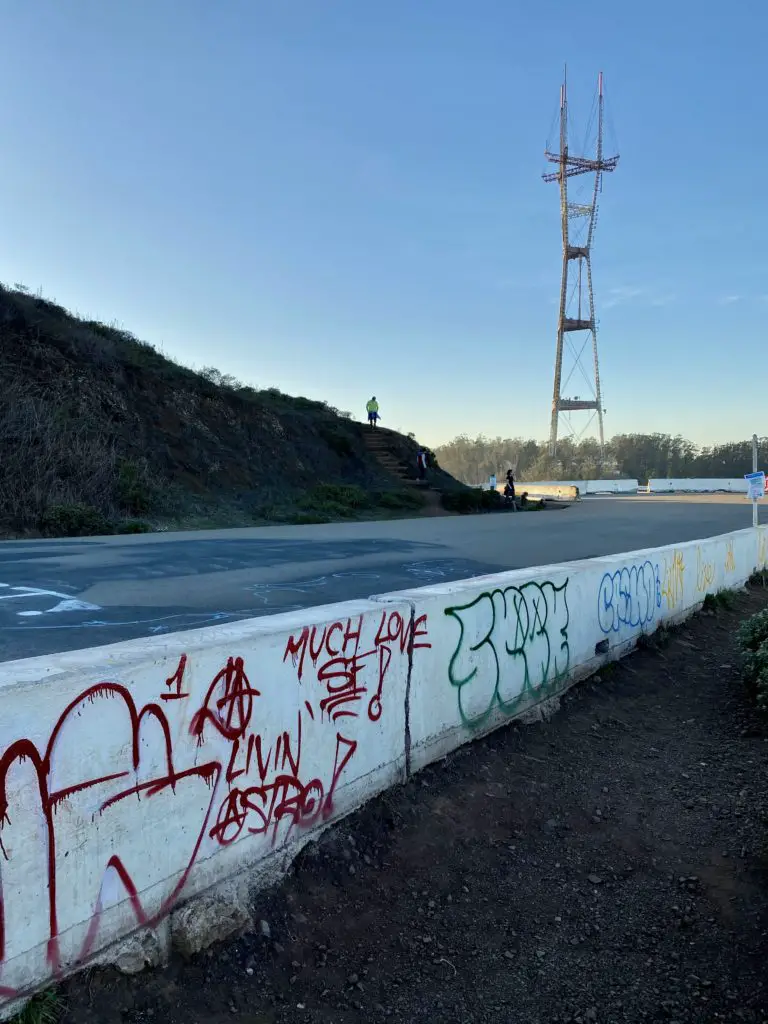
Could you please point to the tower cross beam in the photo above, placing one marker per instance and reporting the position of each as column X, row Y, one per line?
column 578, row 165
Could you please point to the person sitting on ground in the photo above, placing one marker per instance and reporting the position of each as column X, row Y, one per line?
column 372, row 408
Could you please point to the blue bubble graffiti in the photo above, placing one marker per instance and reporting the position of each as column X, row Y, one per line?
column 629, row 597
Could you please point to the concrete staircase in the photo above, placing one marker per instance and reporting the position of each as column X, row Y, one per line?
column 379, row 444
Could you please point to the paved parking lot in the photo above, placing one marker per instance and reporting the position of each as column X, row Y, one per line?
column 58, row 595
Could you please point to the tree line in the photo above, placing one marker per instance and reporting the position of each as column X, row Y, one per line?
column 636, row 456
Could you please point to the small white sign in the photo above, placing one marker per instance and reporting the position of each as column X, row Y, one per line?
column 492, row 481
column 755, row 485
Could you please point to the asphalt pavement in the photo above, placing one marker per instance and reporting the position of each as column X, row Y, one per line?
column 59, row 595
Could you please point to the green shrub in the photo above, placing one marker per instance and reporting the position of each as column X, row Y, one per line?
column 307, row 519
column 133, row 526
column 336, row 500
column 337, row 441
column 463, row 502
column 469, row 501
column 722, row 599
column 404, row 500
column 752, row 638
column 73, row 520
column 135, row 492
column 41, row 1009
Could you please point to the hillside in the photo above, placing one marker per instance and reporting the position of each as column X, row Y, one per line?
column 99, row 432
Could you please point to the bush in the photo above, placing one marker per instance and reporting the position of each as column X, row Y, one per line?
column 397, row 501
column 73, row 520
column 308, row 519
column 133, row 526
column 469, row 501
column 752, row 638
column 135, row 491
column 338, row 442
column 43, row 1008
column 337, row 501
column 722, row 599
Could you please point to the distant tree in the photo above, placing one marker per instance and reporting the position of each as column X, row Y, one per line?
column 633, row 456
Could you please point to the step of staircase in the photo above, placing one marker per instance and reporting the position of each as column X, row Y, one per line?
column 378, row 446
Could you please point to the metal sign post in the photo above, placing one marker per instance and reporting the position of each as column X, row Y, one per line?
column 755, row 482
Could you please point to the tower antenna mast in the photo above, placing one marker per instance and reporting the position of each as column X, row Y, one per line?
column 576, row 319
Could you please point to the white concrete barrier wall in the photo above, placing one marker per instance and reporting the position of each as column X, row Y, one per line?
column 139, row 773
column 144, row 786
column 709, row 485
column 610, row 486
column 503, row 644
column 563, row 492
column 584, row 486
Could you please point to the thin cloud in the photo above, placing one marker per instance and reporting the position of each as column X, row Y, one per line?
column 728, row 300
column 624, row 294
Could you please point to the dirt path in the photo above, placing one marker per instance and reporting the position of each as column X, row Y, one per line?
column 610, row 865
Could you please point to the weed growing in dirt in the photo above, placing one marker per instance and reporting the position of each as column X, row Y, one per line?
column 722, row 599
column 653, row 641
column 42, row 1009
column 752, row 638
column 759, row 578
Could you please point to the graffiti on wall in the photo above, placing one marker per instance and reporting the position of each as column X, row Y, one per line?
column 762, row 549
column 629, row 596
column 106, row 813
column 705, row 573
column 730, row 558
column 511, row 648
column 673, row 580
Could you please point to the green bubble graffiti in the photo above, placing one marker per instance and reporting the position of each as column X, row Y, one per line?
column 522, row 654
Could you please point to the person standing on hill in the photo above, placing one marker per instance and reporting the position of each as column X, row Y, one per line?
column 372, row 408
column 421, row 464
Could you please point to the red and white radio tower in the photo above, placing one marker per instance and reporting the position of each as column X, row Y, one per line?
column 576, row 321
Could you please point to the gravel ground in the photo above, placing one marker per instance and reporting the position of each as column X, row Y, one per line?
column 610, row 865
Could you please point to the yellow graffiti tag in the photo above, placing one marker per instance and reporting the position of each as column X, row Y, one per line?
column 705, row 572
column 762, row 549
column 672, row 589
column 730, row 560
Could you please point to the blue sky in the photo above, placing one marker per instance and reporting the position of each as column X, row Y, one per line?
column 342, row 197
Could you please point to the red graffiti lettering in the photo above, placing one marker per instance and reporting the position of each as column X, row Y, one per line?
column 250, row 780
column 228, row 704
column 339, row 663
column 50, row 797
column 174, row 682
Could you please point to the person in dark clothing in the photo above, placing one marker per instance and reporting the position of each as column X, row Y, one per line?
column 509, row 489
column 421, row 464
